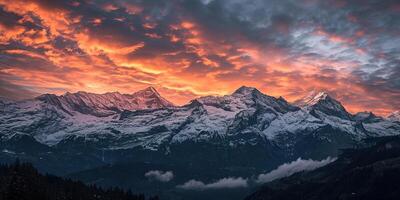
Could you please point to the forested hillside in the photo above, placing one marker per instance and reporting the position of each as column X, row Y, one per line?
column 21, row 181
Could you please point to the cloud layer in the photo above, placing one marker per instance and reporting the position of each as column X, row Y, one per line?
column 283, row 170
column 188, row 48
column 291, row 168
column 159, row 175
column 225, row 183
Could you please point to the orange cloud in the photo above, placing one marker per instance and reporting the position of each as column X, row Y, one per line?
column 10, row 33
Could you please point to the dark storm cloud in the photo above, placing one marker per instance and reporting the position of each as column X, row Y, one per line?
column 8, row 19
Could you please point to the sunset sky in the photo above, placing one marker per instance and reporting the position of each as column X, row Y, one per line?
column 191, row 48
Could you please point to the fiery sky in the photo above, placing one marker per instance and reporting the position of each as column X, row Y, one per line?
column 190, row 48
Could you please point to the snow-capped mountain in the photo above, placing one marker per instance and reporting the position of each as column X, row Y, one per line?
column 107, row 104
column 322, row 102
column 311, row 98
column 204, row 131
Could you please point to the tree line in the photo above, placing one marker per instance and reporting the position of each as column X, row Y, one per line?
column 21, row 181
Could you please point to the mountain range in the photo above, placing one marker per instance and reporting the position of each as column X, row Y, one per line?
column 102, row 105
column 90, row 136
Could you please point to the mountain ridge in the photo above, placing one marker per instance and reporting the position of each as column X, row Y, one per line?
column 106, row 104
column 243, row 133
column 323, row 102
column 246, row 118
column 312, row 99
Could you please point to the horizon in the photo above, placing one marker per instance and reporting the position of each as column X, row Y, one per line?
column 187, row 49
column 188, row 102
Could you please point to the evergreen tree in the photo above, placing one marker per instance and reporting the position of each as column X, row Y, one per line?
column 21, row 181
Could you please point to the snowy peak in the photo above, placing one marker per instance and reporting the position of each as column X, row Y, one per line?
column 322, row 102
column 148, row 91
column 150, row 98
column 245, row 90
column 312, row 98
column 248, row 98
column 106, row 104
column 264, row 101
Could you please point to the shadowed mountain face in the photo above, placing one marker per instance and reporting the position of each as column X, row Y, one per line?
column 244, row 133
column 367, row 173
